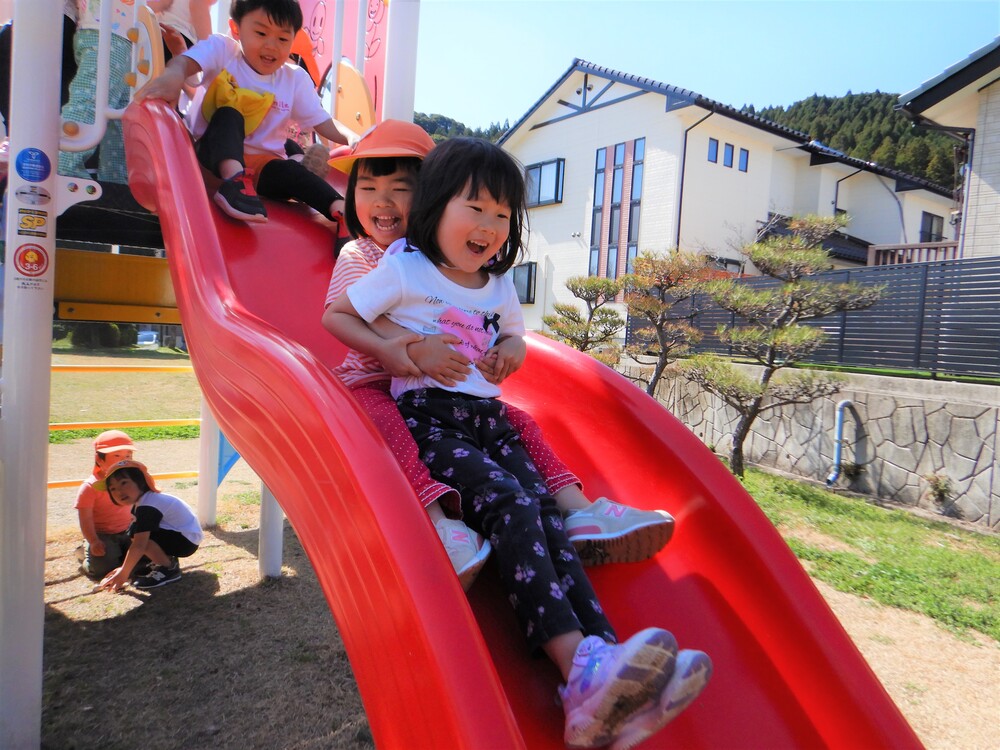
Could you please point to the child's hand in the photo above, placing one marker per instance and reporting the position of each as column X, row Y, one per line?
column 166, row 86
column 97, row 549
column 173, row 39
column 438, row 360
column 503, row 359
column 114, row 581
column 394, row 358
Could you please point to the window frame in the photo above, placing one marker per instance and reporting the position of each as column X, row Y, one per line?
column 533, row 187
column 728, row 152
column 529, row 269
column 713, row 150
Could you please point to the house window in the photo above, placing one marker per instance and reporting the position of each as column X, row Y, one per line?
column 744, row 159
column 523, row 276
column 713, row 150
column 633, row 250
column 931, row 227
column 545, row 182
column 727, row 155
column 600, row 177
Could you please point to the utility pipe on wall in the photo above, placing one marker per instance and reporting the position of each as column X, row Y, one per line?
column 838, row 440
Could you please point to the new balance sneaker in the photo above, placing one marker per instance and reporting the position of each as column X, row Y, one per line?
column 159, row 575
column 316, row 160
column 608, row 684
column 691, row 674
column 466, row 549
column 609, row 532
column 237, row 198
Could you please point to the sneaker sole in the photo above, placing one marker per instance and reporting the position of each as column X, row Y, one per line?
column 691, row 675
column 642, row 677
column 233, row 213
column 635, row 545
column 468, row 574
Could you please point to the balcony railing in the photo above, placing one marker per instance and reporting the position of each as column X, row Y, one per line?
column 915, row 252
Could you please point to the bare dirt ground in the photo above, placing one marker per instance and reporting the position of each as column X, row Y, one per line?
column 221, row 660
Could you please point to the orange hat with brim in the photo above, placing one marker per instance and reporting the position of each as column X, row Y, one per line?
column 110, row 441
column 389, row 138
column 102, row 486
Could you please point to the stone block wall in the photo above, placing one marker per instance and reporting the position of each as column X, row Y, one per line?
column 897, row 431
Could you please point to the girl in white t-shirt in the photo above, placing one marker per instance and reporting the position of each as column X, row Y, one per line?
column 464, row 233
column 163, row 528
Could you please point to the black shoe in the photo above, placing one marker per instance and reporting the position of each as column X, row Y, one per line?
column 158, row 576
column 237, row 198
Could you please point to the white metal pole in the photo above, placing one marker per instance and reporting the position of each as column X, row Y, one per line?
column 208, row 466
column 338, row 52
column 270, row 537
column 360, row 48
column 401, row 60
column 24, row 435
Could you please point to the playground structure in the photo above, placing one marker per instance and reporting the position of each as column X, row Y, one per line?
column 786, row 673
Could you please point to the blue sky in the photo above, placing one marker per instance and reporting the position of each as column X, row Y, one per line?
column 484, row 61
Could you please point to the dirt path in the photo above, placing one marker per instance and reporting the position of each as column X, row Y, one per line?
column 946, row 686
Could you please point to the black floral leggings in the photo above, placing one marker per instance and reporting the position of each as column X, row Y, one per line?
column 468, row 443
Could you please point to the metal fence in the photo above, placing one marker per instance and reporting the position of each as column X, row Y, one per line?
column 942, row 317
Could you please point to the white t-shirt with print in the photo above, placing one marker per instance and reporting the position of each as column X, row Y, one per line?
column 295, row 97
column 410, row 290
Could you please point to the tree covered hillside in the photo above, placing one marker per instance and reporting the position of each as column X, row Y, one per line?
column 866, row 127
column 441, row 128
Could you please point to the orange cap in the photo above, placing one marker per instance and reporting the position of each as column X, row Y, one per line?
column 111, row 441
column 125, row 465
column 386, row 139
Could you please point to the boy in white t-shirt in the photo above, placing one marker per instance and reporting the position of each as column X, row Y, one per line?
column 252, row 92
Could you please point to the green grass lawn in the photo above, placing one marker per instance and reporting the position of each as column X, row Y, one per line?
column 898, row 559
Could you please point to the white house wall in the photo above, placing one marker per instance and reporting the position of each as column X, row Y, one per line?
column 551, row 243
column 982, row 231
column 722, row 206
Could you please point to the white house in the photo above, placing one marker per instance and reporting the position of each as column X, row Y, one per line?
column 618, row 164
column 964, row 101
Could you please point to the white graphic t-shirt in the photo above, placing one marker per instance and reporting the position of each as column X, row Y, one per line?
column 413, row 293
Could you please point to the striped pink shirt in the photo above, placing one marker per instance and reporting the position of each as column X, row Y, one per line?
column 356, row 259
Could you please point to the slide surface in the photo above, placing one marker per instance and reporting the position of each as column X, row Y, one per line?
column 437, row 670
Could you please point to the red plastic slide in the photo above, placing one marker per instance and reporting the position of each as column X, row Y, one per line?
column 433, row 671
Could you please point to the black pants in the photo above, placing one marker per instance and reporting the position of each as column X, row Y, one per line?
column 280, row 179
column 469, row 443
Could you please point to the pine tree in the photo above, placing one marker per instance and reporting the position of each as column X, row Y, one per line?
column 772, row 334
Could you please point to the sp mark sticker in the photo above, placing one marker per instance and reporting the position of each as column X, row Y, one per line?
column 31, row 222
column 31, row 260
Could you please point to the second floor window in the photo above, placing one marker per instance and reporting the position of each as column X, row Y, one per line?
column 931, row 227
column 545, row 182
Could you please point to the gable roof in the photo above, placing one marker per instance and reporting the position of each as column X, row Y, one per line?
column 677, row 97
column 980, row 63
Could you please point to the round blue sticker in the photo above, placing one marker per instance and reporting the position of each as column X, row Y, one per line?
column 33, row 165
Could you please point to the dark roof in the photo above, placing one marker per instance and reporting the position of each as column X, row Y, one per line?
column 980, row 63
column 838, row 245
column 820, row 152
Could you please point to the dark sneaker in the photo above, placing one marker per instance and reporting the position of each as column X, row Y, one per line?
column 158, row 576
column 237, row 198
